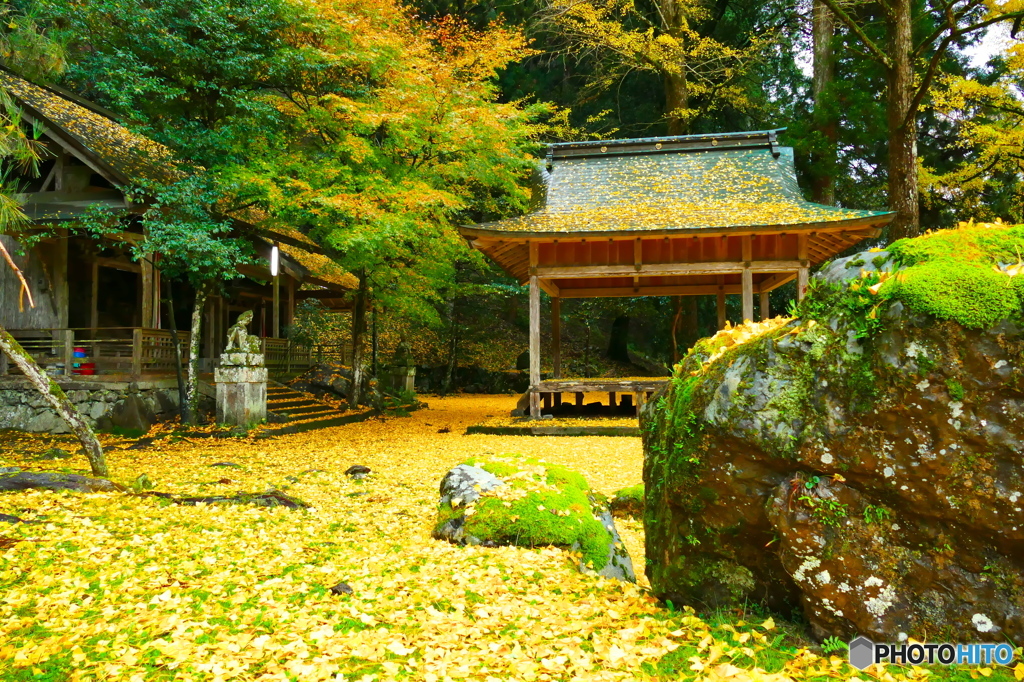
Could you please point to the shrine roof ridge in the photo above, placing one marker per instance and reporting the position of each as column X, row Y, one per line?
column 670, row 143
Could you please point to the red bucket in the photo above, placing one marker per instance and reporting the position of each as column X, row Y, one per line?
column 87, row 368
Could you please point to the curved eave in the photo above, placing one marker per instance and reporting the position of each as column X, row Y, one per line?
column 874, row 220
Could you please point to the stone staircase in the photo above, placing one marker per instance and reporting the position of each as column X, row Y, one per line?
column 301, row 411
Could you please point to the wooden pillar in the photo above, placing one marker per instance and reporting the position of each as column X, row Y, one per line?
column 748, row 295
column 579, row 399
column 289, row 318
column 764, row 306
column 534, row 346
column 60, row 278
column 94, row 300
column 721, row 302
column 748, row 278
column 556, row 336
column 276, row 316
column 146, row 274
column 802, row 273
column 157, row 308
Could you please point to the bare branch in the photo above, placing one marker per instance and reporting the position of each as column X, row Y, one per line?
column 25, row 291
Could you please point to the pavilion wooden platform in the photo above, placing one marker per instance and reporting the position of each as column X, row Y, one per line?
column 688, row 215
column 626, row 392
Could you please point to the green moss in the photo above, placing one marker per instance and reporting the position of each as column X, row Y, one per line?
column 555, row 507
column 566, row 478
column 956, row 389
column 880, row 261
column 971, row 294
column 953, row 274
column 629, row 501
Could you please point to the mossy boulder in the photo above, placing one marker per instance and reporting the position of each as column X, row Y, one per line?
column 863, row 461
column 520, row 501
column 628, row 502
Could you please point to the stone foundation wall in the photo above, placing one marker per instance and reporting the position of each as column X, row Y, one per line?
column 125, row 405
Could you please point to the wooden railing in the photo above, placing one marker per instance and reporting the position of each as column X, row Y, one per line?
column 137, row 352
column 89, row 352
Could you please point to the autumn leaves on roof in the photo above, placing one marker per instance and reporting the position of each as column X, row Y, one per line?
column 127, row 159
column 729, row 181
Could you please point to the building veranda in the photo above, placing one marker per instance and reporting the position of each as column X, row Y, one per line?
column 695, row 215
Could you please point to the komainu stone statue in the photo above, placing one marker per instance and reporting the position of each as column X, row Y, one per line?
column 241, row 378
column 239, row 339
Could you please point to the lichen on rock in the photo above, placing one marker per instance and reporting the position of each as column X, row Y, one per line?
column 863, row 460
column 512, row 500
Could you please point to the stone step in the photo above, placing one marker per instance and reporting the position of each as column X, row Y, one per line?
column 312, row 425
column 306, row 412
column 293, row 399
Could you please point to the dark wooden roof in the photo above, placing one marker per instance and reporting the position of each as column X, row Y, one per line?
column 671, row 185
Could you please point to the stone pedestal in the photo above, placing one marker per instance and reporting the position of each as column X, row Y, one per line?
column 398, row 378
column 241, row 389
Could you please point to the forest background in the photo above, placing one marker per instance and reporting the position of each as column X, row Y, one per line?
column 377, row 127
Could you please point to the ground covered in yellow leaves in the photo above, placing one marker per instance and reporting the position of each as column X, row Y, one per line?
column 126, row 587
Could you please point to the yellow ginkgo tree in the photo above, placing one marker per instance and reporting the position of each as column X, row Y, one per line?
column 668, row 38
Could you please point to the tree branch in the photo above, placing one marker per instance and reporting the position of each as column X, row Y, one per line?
column 879, row 55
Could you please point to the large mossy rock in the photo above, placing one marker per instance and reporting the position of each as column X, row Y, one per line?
column 525, row 502
column 865, row 460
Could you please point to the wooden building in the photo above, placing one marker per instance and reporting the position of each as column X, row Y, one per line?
column 674, row 216
column 91, row 295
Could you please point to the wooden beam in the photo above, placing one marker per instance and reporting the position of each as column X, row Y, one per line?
column 663, row 269
column 764, row 306
column 556, row 336
column 662, row 290
column 775, row 281
column 549, row 287
column 534, row 343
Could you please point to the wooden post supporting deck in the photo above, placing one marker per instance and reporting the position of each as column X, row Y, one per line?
column 764, row 306
column 534, row 346
column 748, row 280
column 802, row 273
column 556, row 337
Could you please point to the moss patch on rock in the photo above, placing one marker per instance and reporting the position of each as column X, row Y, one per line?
column 628, row 501
column 539, row 504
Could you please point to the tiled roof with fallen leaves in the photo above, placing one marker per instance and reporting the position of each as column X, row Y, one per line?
column 133, row 157
column 682, row 189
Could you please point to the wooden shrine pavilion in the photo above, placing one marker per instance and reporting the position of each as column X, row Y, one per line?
column 94, row 294
column 671, row 216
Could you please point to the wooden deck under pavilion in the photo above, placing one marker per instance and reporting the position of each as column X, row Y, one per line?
column 673, row 216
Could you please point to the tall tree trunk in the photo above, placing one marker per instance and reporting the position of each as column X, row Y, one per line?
column 618, row 344
column 453, row 350
column 54, row 395
column 358, row 331
column 192, row 394
column 825, row 108
column 178, row 372
column 903, row 197
column 677, row 94
column 677, row 317
column 677, row 100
